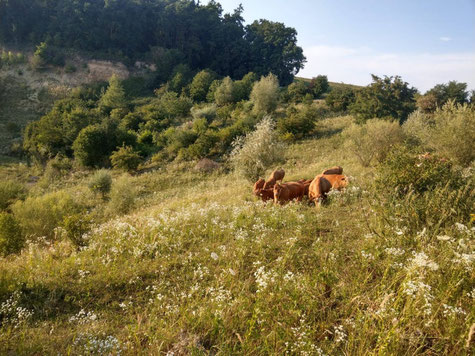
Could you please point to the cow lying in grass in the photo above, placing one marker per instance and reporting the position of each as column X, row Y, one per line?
column 259, row 191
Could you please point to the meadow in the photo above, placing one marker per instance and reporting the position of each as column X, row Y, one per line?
column 181, row 262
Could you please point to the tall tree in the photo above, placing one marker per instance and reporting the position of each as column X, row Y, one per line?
column 274, row 49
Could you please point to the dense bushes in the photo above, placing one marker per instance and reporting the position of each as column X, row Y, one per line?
column 258, row 151
column 125, row 158
column 10, row 191
column 298, row 123
column 101, row 182
column 340, row 98
column 11, row 239
column 39, row 216
column 385, row 98
column 373, row 140
column 450, row 132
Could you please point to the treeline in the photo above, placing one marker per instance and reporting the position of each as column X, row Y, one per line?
column 164, row 32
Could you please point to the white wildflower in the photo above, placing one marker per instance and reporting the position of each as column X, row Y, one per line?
column 214, row 256
column 444, row 238
column 421, row 260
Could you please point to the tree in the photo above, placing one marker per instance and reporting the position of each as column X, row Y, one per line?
column 114, row 96
column 200, row 85
column 274, row 49
column 340, row 98
column 386, row 98
column 265, row 94
column 225, row 92
column 297, row 91
column 244, row 86
column 319, row 85
column 453, row 90
column 125, row 158
column 91, row 148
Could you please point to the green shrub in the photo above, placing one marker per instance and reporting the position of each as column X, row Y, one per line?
column 207, row 112
column 450, row 132
column 373, row 140
column 125, row 158
column 101, row 183
column 403, row 172
column 258, row 151
column 10, row 191
column 11, row 239
column 298, row 123
column 56, row 168
column 39, row 216
column 77, row 226
column 225, row 92
column 123, row 195
column 319, row 85
column 265, row 94
column 296, row 91
column 91, row 146
column 200, row 85
column 340, row 98
column 421, row 192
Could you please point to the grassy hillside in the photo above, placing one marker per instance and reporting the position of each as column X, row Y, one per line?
column 198, row 266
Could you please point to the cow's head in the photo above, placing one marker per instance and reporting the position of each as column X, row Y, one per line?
column 259, row 184
column 278, row 190
column 340, row 182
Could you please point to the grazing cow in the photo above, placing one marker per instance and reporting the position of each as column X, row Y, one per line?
column 306, row 183
column 333, row 170
column 288, row 191
column 323, row 183
column 275, row 176
column 266, row 194
column 258, row 186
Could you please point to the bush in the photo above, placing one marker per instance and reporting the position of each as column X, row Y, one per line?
column 225, row 92
column 39, row 216
column 101, row 183
column 373, row 140
column 200, row 85
column 423, row 192
column 265, row 94
column 319, row 85
column 11, row 239
column 298, row 123
column 385, row 98
column 258, row 151
column 207, row 112
column 10, row 191
column 296, row 91
column 340, row 98
column 450, row 132
column 77, row 226
column 123, row 195
column 91, row 147
column 125, row 158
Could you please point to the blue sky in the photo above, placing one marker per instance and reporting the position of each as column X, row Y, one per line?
column 427, row 42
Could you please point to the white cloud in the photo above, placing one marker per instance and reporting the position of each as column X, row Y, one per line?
column 445, row 39
column 422, row 70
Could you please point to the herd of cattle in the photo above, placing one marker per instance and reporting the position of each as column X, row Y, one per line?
column 315, row 189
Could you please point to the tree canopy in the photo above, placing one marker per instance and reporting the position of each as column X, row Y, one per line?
column 166, row 32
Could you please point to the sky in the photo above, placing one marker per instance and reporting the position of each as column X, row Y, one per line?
column 426, row 42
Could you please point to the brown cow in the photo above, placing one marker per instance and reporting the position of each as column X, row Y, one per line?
column 258, row 186
column 266, row 194
column 323, row 183
column 333, row 170
column 306, row 183
column 288, row 191
column 275, row 176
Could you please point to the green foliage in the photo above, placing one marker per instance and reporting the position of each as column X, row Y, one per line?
column 45, row 55
column 297, row 90
column 319, row 86
column 123, row 195
column 244, row 86
column 385, row 98
column 114, row 96
column 101, row 182
column 90, row 147
column 298, row 124
column 200, row 85
column 452, row 91
column 125, row 158
column 70, row 68
column 207, row 112
column 340, row 98
column 278, row 45
column 265, row 95
column 450, row 132
column 39, row 216
column 258, row 151
column 10, row 191
column 10, row 59
column 11, row 239
column 76, row 227
column 372, row 140
column 225, row 92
